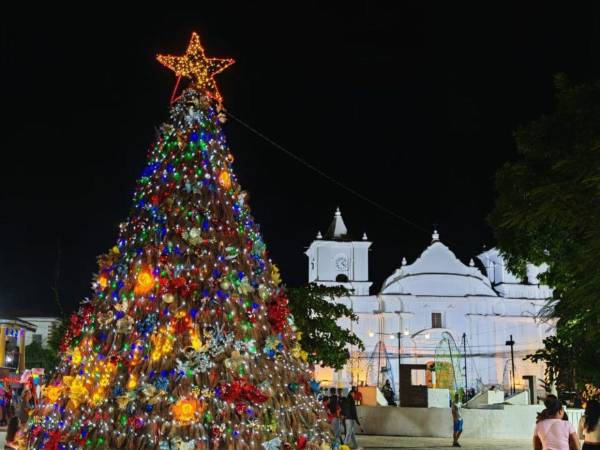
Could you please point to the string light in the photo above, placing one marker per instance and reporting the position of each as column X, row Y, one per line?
column 196, row 66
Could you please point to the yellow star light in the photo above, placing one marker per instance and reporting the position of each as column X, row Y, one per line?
column 196, row 66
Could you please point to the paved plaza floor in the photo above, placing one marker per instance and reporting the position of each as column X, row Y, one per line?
column 404, row 442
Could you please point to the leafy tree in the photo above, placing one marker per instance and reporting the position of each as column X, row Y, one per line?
column 316, row 315
column 547, row 211
column 56, row 335
column 38, row 356
column 49, row 356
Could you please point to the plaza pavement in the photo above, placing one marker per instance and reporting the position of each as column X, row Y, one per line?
column 403, row 442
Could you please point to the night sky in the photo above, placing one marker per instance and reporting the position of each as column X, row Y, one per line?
column 412, row 106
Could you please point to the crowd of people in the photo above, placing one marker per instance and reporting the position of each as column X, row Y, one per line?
column 553, row 431
column 16, row 402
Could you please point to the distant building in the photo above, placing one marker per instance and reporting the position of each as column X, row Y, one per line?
column 13, row 334
column 44, row 327
column 429, row 304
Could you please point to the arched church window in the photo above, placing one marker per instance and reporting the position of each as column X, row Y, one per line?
column 341, row 278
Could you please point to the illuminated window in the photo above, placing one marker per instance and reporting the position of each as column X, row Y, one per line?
column 417, row 377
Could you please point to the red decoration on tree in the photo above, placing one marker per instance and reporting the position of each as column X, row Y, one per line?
column 76, row 323
column 240, row 407
column 53, row 442
column 178, row 285
column 301, row 442
column 278, row 312
column 240, row 389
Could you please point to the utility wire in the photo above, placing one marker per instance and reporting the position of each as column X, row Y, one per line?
column 325, row 175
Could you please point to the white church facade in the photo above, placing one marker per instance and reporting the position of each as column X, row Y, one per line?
column 435, row 311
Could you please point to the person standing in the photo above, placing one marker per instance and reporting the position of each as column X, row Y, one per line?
column 551, row 431
column 388, row 393
column 25, row 405
column 589, row 426
column 335, row 412
column 457, row 420
column 351, row 420
column 356, row 395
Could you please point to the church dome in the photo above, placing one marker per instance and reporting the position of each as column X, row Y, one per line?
column 438, row 272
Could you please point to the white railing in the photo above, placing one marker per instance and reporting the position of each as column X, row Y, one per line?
column 574, row 416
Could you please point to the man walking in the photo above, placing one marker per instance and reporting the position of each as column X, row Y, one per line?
column 351, row 420
column 334, row 412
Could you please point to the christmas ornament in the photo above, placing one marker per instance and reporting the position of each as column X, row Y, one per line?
column 225, row 179
column 52, row 393
column 145, row 282
column 273, row 444
column 301, row 442
column 184, row 410
column 196, row 66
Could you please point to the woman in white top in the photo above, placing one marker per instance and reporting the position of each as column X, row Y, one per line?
column 589, row 426
column 551, row 431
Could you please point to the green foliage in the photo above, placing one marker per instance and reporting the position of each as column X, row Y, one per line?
column 557, row 354
column 56, row 335
column 316, row 314
column 47, row 357
column 547, row 211
column 38, row 356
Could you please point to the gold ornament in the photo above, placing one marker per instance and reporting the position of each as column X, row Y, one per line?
column 263, row 292
column 275, row 275
column 77, row 390
column 185, row 410
column 235, row 361
column 76, row 357
column 125, row 325
column 123, row 401
column 225, row 179
column 144, row 282
column 52, row 393
column 102, row 281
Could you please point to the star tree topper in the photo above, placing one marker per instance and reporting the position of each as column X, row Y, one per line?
column 196, row 66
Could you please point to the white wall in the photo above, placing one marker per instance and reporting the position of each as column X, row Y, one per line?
column 510, row 422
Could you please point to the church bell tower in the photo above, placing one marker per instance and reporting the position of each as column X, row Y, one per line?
column 335, row 259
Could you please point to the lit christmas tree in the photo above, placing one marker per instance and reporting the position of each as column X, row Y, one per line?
column 187, row 341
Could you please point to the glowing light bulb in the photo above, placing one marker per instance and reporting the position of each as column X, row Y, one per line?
column 144, row 282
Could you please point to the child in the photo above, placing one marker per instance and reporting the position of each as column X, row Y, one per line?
column 457, row 420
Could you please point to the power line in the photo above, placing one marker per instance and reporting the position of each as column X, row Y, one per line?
column 325, row 175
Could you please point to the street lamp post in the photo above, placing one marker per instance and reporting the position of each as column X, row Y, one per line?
column 399, row 363
column 512, row 357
